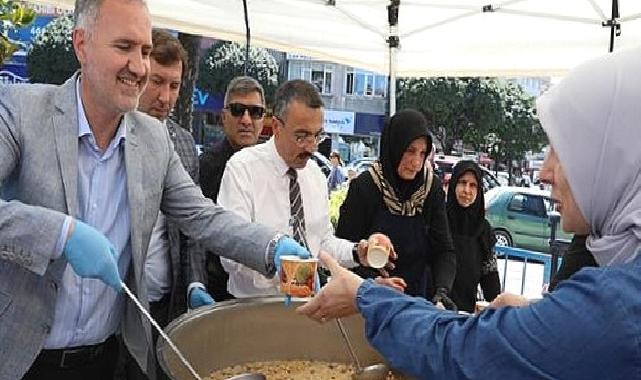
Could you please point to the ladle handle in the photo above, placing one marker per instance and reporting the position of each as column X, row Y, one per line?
column 162, row 333
column 352, row 353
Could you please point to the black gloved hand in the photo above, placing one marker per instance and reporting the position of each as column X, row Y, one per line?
column 442, row 297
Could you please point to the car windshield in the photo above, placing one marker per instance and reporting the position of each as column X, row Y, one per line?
column 491, row 196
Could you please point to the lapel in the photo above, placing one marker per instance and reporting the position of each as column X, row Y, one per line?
column 133, row 164
column 65, row 124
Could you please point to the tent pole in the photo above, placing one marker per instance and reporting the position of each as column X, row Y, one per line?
column 247, row 39
column 392, row 81
column 615, row 28
column 393, row 43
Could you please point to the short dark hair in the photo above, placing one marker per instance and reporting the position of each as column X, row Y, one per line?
column 167, row 49
column 295, row 90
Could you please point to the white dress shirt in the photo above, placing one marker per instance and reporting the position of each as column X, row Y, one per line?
column 255, row 185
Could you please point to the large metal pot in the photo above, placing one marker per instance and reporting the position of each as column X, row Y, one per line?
column 257, row 329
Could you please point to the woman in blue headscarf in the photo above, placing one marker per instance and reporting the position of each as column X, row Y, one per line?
column 590, row 326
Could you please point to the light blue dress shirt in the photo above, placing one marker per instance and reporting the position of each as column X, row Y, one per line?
column 87, row 310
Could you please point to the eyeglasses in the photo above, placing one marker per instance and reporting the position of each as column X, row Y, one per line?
column 238, row 110
column 303, row 138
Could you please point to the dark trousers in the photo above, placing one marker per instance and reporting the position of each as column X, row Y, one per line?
column 160, row 312
column 217, row 279
column 77, row 363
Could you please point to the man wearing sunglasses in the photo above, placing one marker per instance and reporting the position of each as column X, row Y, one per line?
column 275, row 183
column 242, row 120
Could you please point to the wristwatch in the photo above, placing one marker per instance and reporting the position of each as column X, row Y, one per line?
column 355, row 256
column 271, row 253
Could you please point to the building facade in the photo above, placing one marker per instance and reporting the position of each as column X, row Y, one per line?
column 355, row 101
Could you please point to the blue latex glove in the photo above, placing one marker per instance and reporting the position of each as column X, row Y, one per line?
column 199, row 297
column 287, row 247
column 91, row 255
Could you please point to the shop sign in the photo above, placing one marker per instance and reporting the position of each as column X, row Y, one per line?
column 341, row 122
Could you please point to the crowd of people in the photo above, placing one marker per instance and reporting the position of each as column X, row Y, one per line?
column 100, row 188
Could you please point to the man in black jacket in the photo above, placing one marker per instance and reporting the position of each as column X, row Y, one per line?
column 242, row 123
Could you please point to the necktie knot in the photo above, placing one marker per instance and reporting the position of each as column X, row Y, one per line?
column 291, row 172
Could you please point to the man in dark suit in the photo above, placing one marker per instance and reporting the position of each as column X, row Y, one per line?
column 242, row 124
column 83, row 176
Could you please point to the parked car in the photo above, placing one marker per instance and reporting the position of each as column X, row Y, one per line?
column 519, row 217
column 323, row 162
column 503, row 178
column 489, row 180
column 361, row 164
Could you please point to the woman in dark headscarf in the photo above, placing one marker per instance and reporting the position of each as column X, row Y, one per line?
column 472, row 236
column 400, row 197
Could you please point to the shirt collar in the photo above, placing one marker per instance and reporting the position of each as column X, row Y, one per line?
column 281, row 166
column 83, row 123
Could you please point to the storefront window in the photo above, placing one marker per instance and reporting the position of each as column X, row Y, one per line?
column 363, row 83
column 380, row 86
column 317, row 73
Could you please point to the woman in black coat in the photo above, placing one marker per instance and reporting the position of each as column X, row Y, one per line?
column 400, row 197
column 473, row 237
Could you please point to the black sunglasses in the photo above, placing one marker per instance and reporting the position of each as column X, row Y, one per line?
column 238, row 110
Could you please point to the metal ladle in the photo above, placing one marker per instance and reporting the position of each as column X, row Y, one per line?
column 371, row 372
column 162, row 333
column 249, row 376
column 244, row 376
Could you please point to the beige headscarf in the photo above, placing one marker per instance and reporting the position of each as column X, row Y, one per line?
column 593, row 120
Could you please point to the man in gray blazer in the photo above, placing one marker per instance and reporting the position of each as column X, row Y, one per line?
column 83, row 176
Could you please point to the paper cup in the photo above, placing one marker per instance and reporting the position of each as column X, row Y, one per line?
column 377, row 252
column 297, row 276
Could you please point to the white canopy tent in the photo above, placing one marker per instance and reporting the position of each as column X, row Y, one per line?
column 437, row 37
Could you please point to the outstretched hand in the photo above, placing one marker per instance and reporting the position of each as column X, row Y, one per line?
column 91, row 255
column 336, row 299
column 509, row 299
column 396, row 283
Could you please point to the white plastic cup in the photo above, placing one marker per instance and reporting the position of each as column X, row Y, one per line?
column 377, row 252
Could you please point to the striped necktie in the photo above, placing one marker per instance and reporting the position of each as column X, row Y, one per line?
column 296, row 208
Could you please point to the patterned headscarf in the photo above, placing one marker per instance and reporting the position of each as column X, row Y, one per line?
column 401, row 196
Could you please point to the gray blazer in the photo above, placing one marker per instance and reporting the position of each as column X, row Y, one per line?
column 185, row 254
column 38, row 182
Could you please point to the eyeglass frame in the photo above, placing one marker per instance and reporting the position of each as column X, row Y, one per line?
column 302, row 138
column 245, row 108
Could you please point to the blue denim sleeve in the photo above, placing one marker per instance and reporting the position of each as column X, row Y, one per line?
column 555, row 338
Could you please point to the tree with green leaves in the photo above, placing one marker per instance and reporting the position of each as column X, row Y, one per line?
column 13, row 14
column 51, row 58
column 225, row 60
column 184, row 109
column 490, row 115
column 519, row 130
